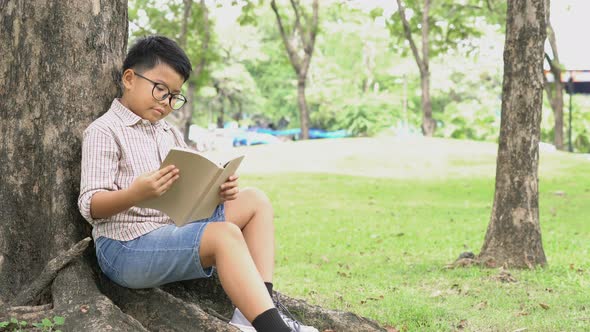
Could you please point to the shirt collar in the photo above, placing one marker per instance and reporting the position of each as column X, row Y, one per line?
column 130, row 119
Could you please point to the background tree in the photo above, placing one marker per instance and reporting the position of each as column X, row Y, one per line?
column 60, row 67
column 440, row 26
column 513, row 237
column 554, row 89
column 300, row 39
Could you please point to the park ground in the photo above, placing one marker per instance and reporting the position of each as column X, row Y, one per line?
column 369, row 225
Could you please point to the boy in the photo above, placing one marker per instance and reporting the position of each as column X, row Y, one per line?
column 140, row 248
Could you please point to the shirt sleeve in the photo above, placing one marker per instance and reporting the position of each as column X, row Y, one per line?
column 100, row 164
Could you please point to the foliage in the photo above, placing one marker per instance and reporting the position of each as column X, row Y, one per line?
column 155, row 17
column 46, row 324
column 451, row 25
column 357, row 80
column 235, row 93
column 473, row 106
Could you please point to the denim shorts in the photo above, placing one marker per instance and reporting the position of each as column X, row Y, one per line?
column 161, row 256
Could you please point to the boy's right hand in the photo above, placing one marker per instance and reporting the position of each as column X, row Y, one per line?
column 153, row 184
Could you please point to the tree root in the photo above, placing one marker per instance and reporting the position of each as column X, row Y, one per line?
column 205, row 293
column 159, row 310
column 326, row 319
column 27, row 313
column 49, row 273
column 77, row 298
column 89, row 301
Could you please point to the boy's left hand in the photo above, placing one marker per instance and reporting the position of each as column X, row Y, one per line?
column 229, row 190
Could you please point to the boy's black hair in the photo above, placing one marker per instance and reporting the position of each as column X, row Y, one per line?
column 149, row 51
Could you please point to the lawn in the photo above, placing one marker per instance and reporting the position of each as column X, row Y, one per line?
column 368, row 225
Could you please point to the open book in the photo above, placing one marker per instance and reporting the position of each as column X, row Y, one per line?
column 195, row 194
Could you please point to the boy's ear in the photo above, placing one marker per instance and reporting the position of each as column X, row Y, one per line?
column 128, row 78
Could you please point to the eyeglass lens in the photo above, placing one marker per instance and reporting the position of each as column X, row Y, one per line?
column 161, row 92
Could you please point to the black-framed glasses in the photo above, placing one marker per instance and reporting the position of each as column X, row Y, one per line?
column 161, row 92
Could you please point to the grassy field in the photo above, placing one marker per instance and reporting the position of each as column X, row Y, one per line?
column 368, row 225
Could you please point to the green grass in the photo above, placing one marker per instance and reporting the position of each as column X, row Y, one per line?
column 378, row 247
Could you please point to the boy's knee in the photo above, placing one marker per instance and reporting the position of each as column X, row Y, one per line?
column 226, row 233
column 218, row 238
column 259, row 198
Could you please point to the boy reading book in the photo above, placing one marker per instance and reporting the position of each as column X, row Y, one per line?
column 141, row 247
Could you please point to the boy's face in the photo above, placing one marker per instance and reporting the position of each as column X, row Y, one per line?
column 137, row 92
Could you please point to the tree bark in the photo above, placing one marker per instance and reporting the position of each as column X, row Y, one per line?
column 60, row 65
column 428, row 123
column 513, row 236
column 306, row 39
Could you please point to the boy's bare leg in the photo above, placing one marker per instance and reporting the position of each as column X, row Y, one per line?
column 252, row 212
column 223, row 245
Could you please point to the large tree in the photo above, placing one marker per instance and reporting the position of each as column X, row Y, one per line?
column 299, row 42
column 59, row 65
column 513, row 236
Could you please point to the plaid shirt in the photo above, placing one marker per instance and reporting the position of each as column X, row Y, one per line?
column 117, row 148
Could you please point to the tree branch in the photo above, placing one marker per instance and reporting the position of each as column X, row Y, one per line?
column 49, row 273
column 408, row 33
column 295, row 60
column 297, row 24
column 425, row 32
column 309, row 46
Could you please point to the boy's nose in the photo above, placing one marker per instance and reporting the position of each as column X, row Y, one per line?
column 164, row 102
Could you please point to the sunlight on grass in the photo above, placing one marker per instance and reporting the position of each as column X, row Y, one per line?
column 378, row 246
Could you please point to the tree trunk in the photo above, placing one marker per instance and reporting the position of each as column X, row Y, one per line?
column 188, row 120
column 368, row 65
column 555, row 90
column 428, row 123
column 59, row 67
column 305, row 33
column 303, row 111
column 557, row 107
column 513, row 236
column 183, row 118
column 220, row 116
